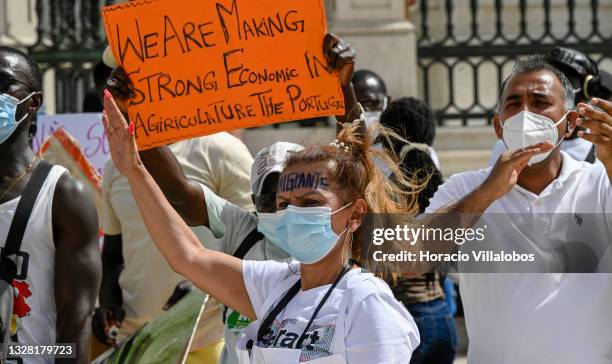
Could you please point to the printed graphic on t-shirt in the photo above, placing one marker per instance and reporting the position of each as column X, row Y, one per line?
column 21, row 296
column 316, row 343
column 236, row 322
column 21, row 290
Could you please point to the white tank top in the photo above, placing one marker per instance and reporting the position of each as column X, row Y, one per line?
column 36, row 312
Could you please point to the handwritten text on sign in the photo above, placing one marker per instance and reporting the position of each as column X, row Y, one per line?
column 85, row 128
column 200, row 67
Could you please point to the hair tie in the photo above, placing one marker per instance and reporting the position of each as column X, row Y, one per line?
column 412, row 146
column 340, row 145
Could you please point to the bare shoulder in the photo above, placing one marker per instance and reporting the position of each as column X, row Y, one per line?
column 70, row 192
column 74, row 211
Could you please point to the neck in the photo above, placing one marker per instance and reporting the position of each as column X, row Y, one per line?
column 537, row 177
column 15, row 156
column 326, row 270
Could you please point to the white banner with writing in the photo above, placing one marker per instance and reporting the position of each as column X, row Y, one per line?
column 87, row 129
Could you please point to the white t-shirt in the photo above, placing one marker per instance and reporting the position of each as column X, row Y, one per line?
column 231, row 224
column 538, row 318
column 376, row 328
column 577, row 148
column 147, row 280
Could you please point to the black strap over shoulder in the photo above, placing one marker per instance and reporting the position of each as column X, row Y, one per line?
column 264, row 328
column 266, row 324
column 248, row 242
column 20, row 220
column 591, row 156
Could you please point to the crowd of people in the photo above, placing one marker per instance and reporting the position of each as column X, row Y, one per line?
column 282, row 261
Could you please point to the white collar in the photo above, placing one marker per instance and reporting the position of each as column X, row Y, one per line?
column 569, row 167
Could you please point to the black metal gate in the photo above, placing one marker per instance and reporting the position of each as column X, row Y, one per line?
column 69, row 40
column 465, row 48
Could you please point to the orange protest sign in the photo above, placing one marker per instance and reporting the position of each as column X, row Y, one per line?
column 200, row 67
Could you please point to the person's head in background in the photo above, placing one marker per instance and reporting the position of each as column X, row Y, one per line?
column 267, row 167
column 101, row 73
column 93, row 98
column 583, row 73
column 371, row 92
column 579, row 69
column 20, row 97
column 414, row 121
column 536, row 104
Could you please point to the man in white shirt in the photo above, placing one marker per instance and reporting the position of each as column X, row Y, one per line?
column 538, row 318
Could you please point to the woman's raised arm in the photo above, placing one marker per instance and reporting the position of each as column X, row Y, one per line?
column 217, row 274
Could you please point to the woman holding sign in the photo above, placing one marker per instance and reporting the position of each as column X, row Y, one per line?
column 318, row 309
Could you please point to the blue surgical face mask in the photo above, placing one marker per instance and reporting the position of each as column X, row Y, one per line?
column 305, row 233
column 8, row 117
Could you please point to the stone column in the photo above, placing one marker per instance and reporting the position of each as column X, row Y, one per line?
column 384, row 39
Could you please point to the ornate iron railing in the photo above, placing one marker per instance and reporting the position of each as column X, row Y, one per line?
column 454, row 46
column 69, row 40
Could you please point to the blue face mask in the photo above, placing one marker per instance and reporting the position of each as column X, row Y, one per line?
column 303, row 232
column 8, row 117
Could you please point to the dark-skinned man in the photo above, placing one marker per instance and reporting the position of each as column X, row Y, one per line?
column 236, row 227
column 371, row 92
column 58, row 261
column 537, row 318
